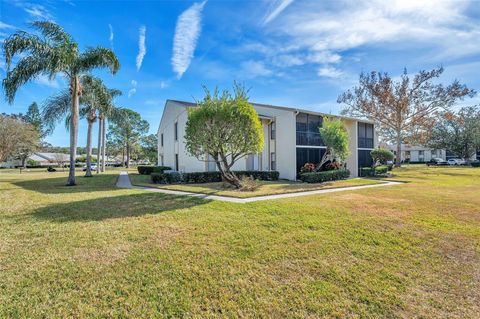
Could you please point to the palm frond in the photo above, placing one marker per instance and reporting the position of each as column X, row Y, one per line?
column 21, row 42
column 52, row 31
column 26, row 69
column 98, row 58
column 55, row 108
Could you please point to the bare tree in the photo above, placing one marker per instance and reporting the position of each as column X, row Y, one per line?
column 403, row 110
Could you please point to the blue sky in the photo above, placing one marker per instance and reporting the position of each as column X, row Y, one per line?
column 289, row 52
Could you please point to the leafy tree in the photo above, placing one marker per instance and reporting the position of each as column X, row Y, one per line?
column 149, row 146
column 458, row 132
column 381, row 155
column 127, row 129
column 225, row 127
column 53, row 52
column 34, row 117
column 404, row 110
column 335, row 137
column 18, row 139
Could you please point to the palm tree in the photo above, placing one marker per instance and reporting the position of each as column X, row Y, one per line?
column 108, row 110
column 55, row 52
column 94, row 96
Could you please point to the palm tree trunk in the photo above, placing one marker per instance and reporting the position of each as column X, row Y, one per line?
column 99, row 147
column 128, row 155
column 104, row 145
column 75, row 89
column 88, row 173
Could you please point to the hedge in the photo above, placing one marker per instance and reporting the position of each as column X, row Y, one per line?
column 319, row 177
column 475, row 164
column 209, row 177
column 147, row 170
column 368, row 171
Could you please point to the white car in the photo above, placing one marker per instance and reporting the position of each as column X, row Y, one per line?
column 93, row 167
column 456, row 161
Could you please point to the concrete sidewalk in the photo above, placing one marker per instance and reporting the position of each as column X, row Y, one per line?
column 124, row 182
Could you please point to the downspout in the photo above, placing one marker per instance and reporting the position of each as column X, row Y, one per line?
column 296, row 113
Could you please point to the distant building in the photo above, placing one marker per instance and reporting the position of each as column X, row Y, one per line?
column 418, row 153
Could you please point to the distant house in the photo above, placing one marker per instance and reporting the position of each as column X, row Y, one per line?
column 40, row 158
column 418, row 153
column 291, row 139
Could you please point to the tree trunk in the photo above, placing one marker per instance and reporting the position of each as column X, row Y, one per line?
column 398, row 158
column 75, row 91
column 229, row 176
column 99, row 145
column 128, row 156
column 88, row 173
column 104, row 145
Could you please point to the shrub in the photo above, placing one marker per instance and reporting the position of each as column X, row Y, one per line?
column 209, row 177
column 202, row 177
column 366, row 171
column 249, row 184
column 261, row 175
column 307, row 167
column 166, row 178
column 475, row 164
column 381, row 155
column 379, row 170
column 320, row 177
column 148, row 169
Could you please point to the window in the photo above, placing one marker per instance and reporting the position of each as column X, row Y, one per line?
column 308, row 129
column 273, row 161
column 161, row 139
column 308, row 155
column 420, row 153
column 364, row 158
column 272, row 131
column 176, row 162
column 365, row 135
column 175, row 131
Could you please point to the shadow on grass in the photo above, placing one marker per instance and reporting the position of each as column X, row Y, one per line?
column 57, row 185
column 131, row 205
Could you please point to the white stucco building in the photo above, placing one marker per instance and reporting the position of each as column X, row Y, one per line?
column 418, row 153
column 291, row 139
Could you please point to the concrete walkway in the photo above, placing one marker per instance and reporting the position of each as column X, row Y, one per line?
column 124, row 182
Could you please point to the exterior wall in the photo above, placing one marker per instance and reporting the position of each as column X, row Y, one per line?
column 285, row 142
column 284, row 145
column 414, row 153
column 352, row 160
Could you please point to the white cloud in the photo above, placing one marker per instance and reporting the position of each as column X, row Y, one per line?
column 187, row 31
column 329, row 72
column 37, row 11
column 133, row 90
column 4, row 25
column 339, row 26
column 251, row 69
column 142, row 49
column 110, row 38
column 276, row 8
column 44, row 80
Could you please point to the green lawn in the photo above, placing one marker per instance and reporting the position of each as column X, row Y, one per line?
column 410, row 250
column 265, row 188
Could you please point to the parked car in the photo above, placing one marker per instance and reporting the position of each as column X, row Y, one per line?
column 436, row 162
column 456, row 161
column 93, row 167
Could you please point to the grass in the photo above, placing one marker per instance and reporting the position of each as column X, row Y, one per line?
column 265, row 187
column 410, row 250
